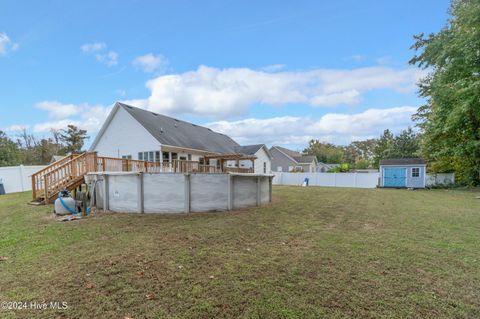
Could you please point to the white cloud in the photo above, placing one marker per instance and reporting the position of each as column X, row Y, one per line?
column 331, row 127
column 57, row 110
column 368, row 122
column 273, row 67
column 347, row 97
column 99, row 50
column 150, row 62
column 110, row 58
column 6, row 44
column 217, row 92
column 85, row 116
column 93, row 47
column 16, row 128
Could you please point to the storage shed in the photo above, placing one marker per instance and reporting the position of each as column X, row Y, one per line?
column 403, row 172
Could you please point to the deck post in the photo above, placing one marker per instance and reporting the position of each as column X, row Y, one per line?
column 95, row 164
column 34, row 188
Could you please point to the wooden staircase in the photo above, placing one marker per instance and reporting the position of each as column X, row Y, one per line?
column 67, row 173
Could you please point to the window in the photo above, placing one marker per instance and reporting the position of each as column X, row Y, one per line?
column 279, row 169
column 165, row 156
column 151, row 156
column 416, row 172
column 189, row 157
column 264, row 167
column 183, row 158
column 127, row 156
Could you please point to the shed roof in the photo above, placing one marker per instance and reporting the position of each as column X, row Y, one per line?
column 403, row 161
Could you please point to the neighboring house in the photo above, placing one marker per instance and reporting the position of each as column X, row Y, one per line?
column 134, row 133
column 285, row 160
column 403, row 172
column 263, row 161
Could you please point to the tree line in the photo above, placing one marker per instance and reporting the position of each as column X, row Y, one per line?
column 27, row 149
column 367, row 153
column 449, row 121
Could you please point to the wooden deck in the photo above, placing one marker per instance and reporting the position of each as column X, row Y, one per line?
column 68, row 173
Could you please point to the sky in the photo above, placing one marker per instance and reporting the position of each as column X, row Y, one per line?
column 273, row 72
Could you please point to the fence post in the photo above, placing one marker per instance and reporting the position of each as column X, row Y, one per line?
column 230, row 191
column 22, row 175
column 335, row 179
column 258, row 191
column 355, row 179
column 106, row 203
column 140, row 193
column 187, row 193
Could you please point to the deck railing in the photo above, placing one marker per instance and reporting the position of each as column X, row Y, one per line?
column 70, row 171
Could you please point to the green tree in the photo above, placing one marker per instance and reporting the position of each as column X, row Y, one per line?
column 325, row 152
column 10, row 153
column 450, row 120
column 382, row 147
column 404, row 145
column 74, row 139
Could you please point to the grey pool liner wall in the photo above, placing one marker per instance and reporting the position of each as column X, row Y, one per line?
column 179, row 192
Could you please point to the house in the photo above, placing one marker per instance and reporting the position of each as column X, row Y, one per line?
column 285, row 160
column 263, row 161
column 134, row 133
column 403, row 172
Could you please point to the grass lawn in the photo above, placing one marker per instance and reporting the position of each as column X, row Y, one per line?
column 314, row 252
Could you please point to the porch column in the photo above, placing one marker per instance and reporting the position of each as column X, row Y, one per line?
column 161, row 160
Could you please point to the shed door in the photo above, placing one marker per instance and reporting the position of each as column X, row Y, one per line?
column 394, row 177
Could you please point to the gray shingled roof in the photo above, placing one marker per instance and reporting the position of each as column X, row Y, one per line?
column 298, row 157
column 173, row 132
column 402, row 161
column 248, row 149
column 288, row 152
column 304, row 159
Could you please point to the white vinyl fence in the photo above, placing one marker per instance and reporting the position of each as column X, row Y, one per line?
column 440, row 179
column 358, row 180
column 17, row 178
